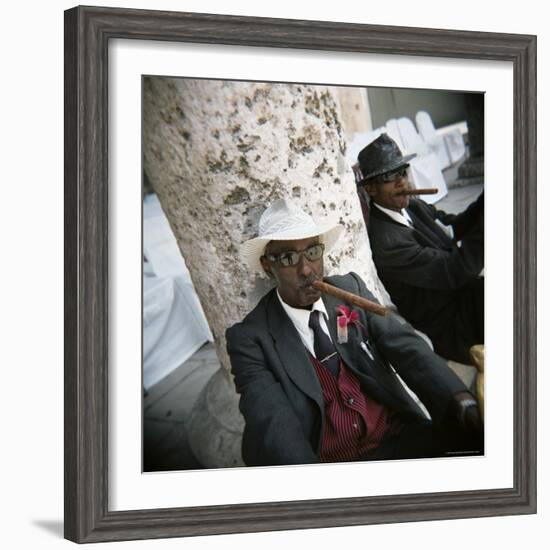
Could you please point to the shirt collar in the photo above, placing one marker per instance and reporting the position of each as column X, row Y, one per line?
column 300, row 317
column 400, row 217
column 300, row 320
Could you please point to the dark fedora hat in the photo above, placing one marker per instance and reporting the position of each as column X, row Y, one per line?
column 380, row 157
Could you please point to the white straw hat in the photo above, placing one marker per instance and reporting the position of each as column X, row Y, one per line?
column 285, row 221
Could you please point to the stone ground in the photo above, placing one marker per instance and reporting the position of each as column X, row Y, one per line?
column 167, row 410
column 168, row 404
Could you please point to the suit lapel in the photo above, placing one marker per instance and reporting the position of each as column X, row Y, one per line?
column 294, row 356
column 351, row 353
column 347, row 350
column 430, row 231
column 423, row 233
column 292, row 351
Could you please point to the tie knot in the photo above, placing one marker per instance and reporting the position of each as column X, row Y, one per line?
column 314, row 319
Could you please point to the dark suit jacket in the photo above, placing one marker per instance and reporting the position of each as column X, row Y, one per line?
column 422, row 268
column 281, row 398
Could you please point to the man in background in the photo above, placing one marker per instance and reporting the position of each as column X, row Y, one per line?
column 429, row 261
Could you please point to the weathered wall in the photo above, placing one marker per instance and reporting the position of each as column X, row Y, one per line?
column 355, row 110
column 218, row 153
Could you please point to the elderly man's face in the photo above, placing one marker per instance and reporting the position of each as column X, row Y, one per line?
column 389, row 193
column 294, row 281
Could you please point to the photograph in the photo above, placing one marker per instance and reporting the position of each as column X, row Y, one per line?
column 280, row 227
column 313, row 273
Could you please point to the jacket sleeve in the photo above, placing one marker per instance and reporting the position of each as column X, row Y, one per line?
column 273, row 434
column 471, row 220
column 444, row 217
column 402, row 258
column 425, row 372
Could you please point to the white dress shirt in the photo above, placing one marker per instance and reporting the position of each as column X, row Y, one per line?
column 404, row 219
column 401, row 217
column 300, row 319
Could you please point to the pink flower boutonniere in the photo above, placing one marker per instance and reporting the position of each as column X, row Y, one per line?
column 345, row 318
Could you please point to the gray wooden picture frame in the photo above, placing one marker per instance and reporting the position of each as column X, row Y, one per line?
column 87, row 34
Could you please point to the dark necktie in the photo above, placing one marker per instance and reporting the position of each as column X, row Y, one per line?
column 324, row 348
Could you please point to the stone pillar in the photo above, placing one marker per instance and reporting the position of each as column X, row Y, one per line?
column 218, row 153
column 355, row 109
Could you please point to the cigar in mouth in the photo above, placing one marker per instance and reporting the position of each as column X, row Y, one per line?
column 346, row 296
column 427, row 191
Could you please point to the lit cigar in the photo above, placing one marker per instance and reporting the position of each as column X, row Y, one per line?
column 359, row 301
column 428, row 191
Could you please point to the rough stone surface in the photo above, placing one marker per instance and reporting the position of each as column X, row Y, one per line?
column 216, row 426
column 218, row 153
column 355, row 110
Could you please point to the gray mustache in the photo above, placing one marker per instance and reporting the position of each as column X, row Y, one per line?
column 309, row 282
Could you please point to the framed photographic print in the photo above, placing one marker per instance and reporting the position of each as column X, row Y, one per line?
column 268, row 109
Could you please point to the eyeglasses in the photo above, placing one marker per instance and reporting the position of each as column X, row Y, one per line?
column 292, row 257
column 392, row 176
